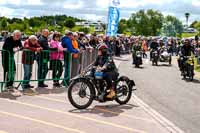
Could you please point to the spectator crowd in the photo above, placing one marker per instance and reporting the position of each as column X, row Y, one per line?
column 52, row 51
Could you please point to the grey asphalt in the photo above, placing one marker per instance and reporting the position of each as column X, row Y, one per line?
column 164, row 90
column 51, row 112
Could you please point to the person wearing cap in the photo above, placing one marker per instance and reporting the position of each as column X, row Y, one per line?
column 11, row 45
column 75, row 56
column 31, row 46
column 66, row 42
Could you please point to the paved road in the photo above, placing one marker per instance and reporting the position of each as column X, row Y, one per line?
column 50, row 112
column 164, row 90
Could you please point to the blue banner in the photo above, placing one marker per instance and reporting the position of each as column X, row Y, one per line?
column 113, row 18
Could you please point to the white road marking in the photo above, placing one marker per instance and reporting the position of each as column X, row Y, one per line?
column 170, row 126
column 164, row 122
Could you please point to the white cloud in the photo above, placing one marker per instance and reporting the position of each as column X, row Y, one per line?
column 34, row 2
column 196, row 3
column 97, row 9
column 16, row 2
column 103, row 3
column 70, row 5
column 6, row 11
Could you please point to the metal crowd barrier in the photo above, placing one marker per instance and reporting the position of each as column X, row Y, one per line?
column 44, row 63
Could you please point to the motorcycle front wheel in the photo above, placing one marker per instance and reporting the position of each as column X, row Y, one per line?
column 81, row 93
column 123, row 92
column 170, row 61
column 191, row 73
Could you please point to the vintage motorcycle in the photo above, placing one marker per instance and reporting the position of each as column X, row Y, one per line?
column 138, row 59
column 90, row 86
column 155, row 57
column 165, row 56
column 188, row 67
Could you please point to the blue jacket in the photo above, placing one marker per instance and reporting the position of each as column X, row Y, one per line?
column 67, row 43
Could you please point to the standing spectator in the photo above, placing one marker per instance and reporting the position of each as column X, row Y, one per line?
column 43, row 58
column 93, row 41
column 11, row 45
column 28, row 56
column 170, row 46
column 107, row 41
column 144, row 48
column 67, row 43
column 75, row 57
column 56, row 58
column 118, row 47
column 79, row 39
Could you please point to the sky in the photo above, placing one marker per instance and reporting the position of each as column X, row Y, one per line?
column 97, row 9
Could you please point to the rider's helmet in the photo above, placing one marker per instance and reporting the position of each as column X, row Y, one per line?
column 103, row 48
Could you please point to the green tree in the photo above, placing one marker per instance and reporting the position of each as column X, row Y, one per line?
column 193, row 23
column 146, row 23
column 15, row 20
column 122, row 27
column 197, row 26
column 70, row 23
column 85, row 30
column 4, row 24
column 172, row 26
column 15, row 26
column 138, row 22
column 35, row 22
column 155, row 19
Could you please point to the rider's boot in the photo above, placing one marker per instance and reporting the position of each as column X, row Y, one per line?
column 111, row 94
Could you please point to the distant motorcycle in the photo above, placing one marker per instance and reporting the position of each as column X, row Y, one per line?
column 138, row 59
column 155, row 57
column 188, row 67
column 86, row 88
column 165, row 56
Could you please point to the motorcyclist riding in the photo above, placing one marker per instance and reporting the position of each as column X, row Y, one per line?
column 186, row 50
column 105, row 63
column 161, row 45
column 136, row 47
column 153, row 46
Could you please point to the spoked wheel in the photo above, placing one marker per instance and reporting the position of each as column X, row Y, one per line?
column 191, row 78
column 81, row 94
column 156, row 62
column 170, row 61
column 152, row 63
column 123, row 91
column 191, row 74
